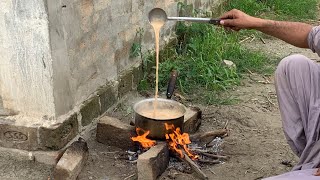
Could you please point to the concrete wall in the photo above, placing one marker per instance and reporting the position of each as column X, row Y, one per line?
column 64, row 63
column 56, row 54
column 25, row 58
column 91, row 41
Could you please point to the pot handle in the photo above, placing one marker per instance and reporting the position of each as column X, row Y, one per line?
column 172, row 83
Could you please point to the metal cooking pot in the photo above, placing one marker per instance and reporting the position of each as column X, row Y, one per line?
column 156, row 126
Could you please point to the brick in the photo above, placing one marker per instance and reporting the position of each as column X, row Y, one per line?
column 107, row 98
column 47, row 157
column 18, row 137
column 154, row 162
column 125, row 83
column 17, row 154
column 56, row 137
column 113, row 132
column 192, row 120
column 72, row 161
column 90, row 110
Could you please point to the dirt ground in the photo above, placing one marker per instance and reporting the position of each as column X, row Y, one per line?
column 256, row 143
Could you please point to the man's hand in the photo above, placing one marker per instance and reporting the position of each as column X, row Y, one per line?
column 236, row 20
column 295, row 33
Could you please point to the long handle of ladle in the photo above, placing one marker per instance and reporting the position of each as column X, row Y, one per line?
column 193, row 19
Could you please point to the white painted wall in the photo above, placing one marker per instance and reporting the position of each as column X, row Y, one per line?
column 25, row 60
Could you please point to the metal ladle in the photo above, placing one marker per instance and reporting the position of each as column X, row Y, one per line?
column 158, row 14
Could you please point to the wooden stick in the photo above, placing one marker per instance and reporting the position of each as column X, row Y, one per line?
column 268, row 99
column 129, row 176
column 213, row 134
column 193, row 165
column 215, row 156
column 226, row 125
column 207, row 137
column 209, row 161
column 210, row 154
column 262, row 40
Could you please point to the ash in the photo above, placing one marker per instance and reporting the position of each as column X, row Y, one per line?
column 176, row 164
column 215, row 146
column 134, row 153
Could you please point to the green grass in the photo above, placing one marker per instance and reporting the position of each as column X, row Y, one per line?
column 197, row 55
column 299, row 10
column 199, row 49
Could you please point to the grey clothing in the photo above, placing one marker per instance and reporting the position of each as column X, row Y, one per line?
column 298, row 91
column 306, row 174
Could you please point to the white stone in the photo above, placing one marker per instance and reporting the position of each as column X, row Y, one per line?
column 229, row 64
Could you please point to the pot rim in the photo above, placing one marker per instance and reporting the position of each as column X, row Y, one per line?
column 183, row 107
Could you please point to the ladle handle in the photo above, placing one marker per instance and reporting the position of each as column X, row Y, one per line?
column 215, row 21
column 195, row 19
column 172, row 83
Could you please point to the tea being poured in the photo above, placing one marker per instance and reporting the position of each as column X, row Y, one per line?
column 156, row 22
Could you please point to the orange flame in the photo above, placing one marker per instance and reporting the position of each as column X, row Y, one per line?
column 142, row 138
column 177, row 140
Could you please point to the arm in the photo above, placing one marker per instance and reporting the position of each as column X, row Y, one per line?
column 294, row 33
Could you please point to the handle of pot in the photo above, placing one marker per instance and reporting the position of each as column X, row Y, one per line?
column 172, row 83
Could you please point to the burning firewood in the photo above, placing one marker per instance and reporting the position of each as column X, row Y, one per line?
column 178, row 141
column 178, row 144
column 193, row 166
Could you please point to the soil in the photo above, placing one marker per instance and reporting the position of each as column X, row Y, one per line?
column 256, row 143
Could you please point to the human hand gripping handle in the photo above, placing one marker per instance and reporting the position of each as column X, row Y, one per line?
column 237, row 20
column 295, row 33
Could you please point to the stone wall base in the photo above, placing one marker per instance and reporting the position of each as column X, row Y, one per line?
column 30, row 138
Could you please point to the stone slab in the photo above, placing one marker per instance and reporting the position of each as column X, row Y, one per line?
column 56, row 137
column 113, row 132
column 90, row 110
column 72, row 161
column 18, row 137
column 192, row 120
column 47, row 157
column 154, row 162
column 17, row 154
column 107, row 97
column 125, row 83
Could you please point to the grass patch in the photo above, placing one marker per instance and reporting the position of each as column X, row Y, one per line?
column 277, row 9
column 197, row 54
column 199, row 50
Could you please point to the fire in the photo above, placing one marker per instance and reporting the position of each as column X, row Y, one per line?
column 142, row 138
column 177, row 140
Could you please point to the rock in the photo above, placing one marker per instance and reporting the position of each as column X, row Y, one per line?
column 57, row 136
column 72, row 161
column 17, row 154
column 48, row 157
column 154, row 162
column 192, row 120
column 229, row 64
column 112, row 132
column 90, row 110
